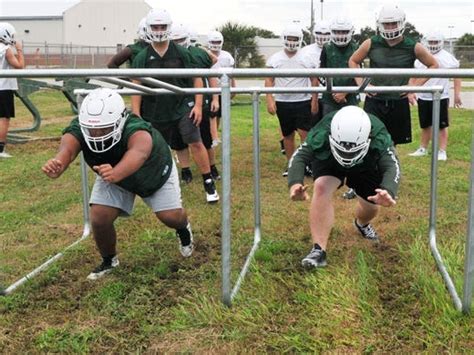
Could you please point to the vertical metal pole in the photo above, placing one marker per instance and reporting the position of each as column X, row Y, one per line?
column 434, row 157
column 256, row 191
column 256, row 161
column 434, row 194
column 84, row 181
column 226, row 236
column 469, row 259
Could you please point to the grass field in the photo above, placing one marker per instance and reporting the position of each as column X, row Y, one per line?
column 371, row 298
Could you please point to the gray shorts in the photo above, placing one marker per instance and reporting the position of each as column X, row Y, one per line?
column 168, row 197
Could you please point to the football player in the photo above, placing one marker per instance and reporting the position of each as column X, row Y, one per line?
column 346, row 146
column 130, row 158
column 434, row 41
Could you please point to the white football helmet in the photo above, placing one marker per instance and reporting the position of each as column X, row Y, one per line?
column 193, row 37
column 215, row 40
column 342, row 30
column 322, row 33
column 349, row 139
column 391, row 14
column 142, row 31
column 180, row 35
column 103, row 109
column 158, row 17
column 7, row 33
column 434, row 41
column 295, row 32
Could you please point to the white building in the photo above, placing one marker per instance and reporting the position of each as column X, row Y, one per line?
column 89, row 22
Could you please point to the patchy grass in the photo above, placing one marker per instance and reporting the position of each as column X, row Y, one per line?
column 382, row 298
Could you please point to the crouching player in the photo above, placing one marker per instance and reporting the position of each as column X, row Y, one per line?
column 130, row 158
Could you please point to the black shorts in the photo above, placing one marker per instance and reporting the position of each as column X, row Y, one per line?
column 395, row 114
column 7, row 106
column 293, row 116
column 205, row 131
column 425, row 113
column 363, row 182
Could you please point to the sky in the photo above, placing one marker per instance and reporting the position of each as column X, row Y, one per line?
column 452, row 17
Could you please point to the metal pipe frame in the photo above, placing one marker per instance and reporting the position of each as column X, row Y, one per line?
column 85, row 233
column 225, row 74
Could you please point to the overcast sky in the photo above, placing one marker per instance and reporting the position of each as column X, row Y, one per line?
column 451, row 17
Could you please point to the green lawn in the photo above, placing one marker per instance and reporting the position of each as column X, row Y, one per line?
column 371, row 298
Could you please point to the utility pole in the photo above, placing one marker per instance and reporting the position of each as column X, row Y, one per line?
column 322, row 9
column 312, row 22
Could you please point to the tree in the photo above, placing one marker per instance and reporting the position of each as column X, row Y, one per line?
column 240, row 41
column 466, row 39
column 411, row 31
column 364, row 34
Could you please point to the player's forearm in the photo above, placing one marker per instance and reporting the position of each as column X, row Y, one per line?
column 457, row 87
column 198, row 84
column 296, row 166
column 131, row 162
column 389, row 166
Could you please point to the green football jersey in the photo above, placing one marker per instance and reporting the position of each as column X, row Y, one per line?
column 136, row 48
column 338, row 57
column 380, row 156
column 151, row 175
column 163, row 109
column 381, row 55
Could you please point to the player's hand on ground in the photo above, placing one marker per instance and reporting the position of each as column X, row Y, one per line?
column 53, row 168
column 382, row 198
column 106, row 172
column 298, row 192
column 196, row 115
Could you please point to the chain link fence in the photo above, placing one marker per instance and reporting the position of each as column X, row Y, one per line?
column 50, row 55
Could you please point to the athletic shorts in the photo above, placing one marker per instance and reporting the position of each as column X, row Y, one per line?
column 167, row 197
column 204, row 128
column 7, row 106
column 293, row 116
column 395, row 114
column 184, row 127
column 425, row 113
column 363, row 182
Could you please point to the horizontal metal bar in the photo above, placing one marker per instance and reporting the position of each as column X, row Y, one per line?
column 239, row 73
column 139, row 88
column 162, row 84
column 265, row 90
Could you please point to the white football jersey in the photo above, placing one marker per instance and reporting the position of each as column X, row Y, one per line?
column 6, row 83
column 280, row 60
column 446, row 61
column 224, row 60
column 313, row 52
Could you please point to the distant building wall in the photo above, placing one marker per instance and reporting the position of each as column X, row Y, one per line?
column 103, row 23
column 37, row 29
